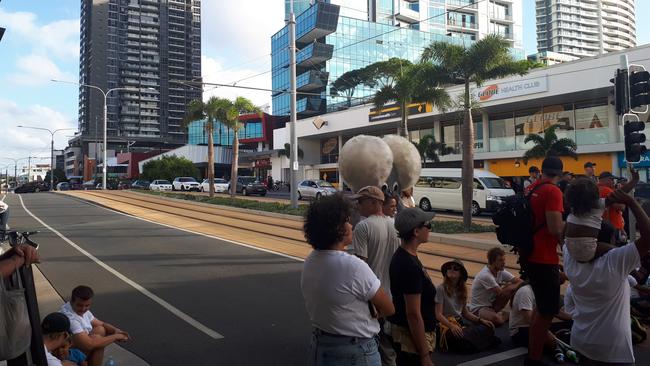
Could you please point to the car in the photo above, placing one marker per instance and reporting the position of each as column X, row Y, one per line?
column 140, row 184
column 185, row 184
column 315, row 189
column 90, row 185
column 63, row 186
column 247, row 185
column 32, row 187
column 75, row 182
column 220, row 185
column 160, row 185
column 124, row 184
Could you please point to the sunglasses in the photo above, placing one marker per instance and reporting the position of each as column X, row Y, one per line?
column 454, row 268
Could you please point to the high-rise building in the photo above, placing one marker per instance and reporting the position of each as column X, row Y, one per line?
column 584, row 28
column 142, row 46
column 337, row 36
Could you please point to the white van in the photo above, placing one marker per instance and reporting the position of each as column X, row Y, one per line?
column 440, row 189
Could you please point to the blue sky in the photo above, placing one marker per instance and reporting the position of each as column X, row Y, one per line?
column 42, row 42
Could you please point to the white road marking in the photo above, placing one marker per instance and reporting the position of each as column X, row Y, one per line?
column 188, row 319
column 497, row 357
column 3, row 197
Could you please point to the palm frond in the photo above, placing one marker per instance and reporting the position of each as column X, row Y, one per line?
column 195, row 111
column 535, row 138
column 536, row 152
column 384, row 95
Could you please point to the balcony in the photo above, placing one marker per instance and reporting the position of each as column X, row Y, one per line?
column 501, row 17
column 407, row 15
column 311, row 80
column 314, row 54
column 310, row 105
column 316, row 22
column 460, row 24
column 465, row 5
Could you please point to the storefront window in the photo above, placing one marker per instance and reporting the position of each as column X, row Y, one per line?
column 502, row 133
column 592, row 123
column 451, row 135
column 329, row 150
column 536, row 121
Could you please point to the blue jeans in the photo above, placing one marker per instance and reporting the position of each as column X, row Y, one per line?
column 330, row 350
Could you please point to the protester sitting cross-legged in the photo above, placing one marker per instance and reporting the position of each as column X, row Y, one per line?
column 413, row 325
column 56, row 332
column 600, row 296
column 89, row 334
column 492, row 288
column 459, row 329
column 342, row 295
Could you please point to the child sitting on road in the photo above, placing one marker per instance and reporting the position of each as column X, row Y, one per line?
column 74, row 355
column 585, row 219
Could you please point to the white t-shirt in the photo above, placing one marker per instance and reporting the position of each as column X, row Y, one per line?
column 375, row 238
column 78, row 324
column 336, row 287
column 634, row 293
column 483, row 282
column 601, row 298
column 524, row 300
column 51, row 360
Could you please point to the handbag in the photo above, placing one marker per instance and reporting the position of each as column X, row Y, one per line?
column 15, row 329
column 476, row 338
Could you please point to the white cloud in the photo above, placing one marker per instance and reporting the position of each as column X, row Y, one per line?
column 36, row 70
column 18, row 142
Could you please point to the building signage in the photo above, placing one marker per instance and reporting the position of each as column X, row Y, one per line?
column 263, row 163
column 643, row 163
column 393, row 110
column 508, row 90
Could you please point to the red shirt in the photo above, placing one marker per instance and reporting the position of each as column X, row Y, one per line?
column 547, row 198
column 613, row 215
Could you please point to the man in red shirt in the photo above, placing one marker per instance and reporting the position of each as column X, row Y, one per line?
column 542, row 265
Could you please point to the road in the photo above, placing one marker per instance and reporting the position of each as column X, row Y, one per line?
column 250, row 297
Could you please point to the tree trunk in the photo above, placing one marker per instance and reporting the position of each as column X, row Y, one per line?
column 211, row 158
column 467, row 139
column 403, row 130
column 235, row 162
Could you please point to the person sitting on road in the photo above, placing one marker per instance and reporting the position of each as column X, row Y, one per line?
column 451, row 308
column 67, row 353
column 56, row 332
column 89, row 334
column 342, row 295
column 492, row 288
column 413, row 325
column 390, row 206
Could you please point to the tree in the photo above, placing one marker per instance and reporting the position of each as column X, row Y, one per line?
column 169, row 167
column 549, row 145
column 59, row 176
column 347, row 83
column 228, row 113
column 488, row 58
column 403, row 82
column 430, row 149
column 198, row 110
column 286, row 151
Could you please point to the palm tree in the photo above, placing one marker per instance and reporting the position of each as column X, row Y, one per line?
column 486, row 59
column 430, row 149
column 549, row 145
column 228, row 113
column 197, row 110
column 404, row 82
column 286, row 151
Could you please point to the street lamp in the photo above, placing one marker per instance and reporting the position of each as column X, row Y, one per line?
column 105, row 94
column 51, row 148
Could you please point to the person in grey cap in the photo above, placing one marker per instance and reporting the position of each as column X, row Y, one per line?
column 413, row 324
column 56, row 333
column 590, row 171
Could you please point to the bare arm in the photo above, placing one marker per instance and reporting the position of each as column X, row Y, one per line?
column 629, row 186
column 642, row 220
column 87, row 343
column 555, row 224
column 383, row 303
column 416, row 325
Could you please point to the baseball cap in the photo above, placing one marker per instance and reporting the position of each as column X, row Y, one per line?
column 589, row 164
column 369, row 192
column 533, row 169
column 605, row 175
column 552, row 165
column 55, row 323
column 410, row 218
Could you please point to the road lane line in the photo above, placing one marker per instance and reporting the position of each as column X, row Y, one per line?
column 497, row 357
column 188, row 319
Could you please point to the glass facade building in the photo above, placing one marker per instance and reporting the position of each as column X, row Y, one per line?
column 222, row 135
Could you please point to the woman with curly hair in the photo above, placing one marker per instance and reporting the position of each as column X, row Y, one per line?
column 342, row 295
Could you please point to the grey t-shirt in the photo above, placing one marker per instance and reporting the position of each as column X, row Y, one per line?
column 375, row 238
column 451, row 306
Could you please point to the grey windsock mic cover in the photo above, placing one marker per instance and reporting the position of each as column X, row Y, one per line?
column 406, row 160
column 365, row 161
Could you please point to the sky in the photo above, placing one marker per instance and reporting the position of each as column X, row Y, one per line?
column 42, row 43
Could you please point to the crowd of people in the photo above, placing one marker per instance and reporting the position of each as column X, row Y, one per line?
column 371, row 300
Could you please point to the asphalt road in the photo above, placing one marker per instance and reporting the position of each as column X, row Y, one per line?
column 250, row 297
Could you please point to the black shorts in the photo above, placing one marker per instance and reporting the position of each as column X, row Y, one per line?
column 520, row 339
column 545, row 281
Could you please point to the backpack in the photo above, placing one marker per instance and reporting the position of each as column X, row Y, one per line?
column 516, row 224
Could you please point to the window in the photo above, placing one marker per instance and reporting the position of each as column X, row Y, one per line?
column 450, row 183
column 592, row 122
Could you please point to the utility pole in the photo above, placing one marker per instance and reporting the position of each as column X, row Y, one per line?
column 293, row 156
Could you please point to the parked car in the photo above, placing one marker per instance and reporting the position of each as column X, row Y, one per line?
column 315, row 189
column 75, row 182
column 32, row 187
column 89, row 185
column 140, row 184
column 185, row 184
column 160, row 185
column 220, row 185
column 63, row 186
column 124, row 184
column 247, row 185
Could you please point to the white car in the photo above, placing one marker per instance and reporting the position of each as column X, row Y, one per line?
column 185, row 184
column 160, row 185
column 315, row 189
column 220, row 185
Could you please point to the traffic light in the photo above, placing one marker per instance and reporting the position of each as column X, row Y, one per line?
column 621, row 96
column 639, row 88
column 634, row 141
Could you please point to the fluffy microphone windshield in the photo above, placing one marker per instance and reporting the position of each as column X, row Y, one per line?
column 406, row 160
column 365, row 161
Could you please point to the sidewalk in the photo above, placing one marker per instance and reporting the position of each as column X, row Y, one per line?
column 49, row 301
